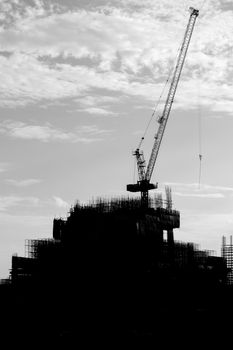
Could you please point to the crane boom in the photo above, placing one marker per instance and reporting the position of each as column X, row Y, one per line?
column 171, row 94
column 144, row 174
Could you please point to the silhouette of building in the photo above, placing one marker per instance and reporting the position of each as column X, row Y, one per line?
column 113, row 267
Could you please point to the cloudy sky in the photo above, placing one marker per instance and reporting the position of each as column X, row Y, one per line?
column 79, row 80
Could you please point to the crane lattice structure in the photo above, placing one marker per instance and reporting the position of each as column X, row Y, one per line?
column 143, row 185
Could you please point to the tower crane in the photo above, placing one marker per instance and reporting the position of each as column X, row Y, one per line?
column 143, row 184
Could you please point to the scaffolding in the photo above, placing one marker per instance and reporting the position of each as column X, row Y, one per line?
column 227, row 254
column 185, row 254
column 103, row 205
column 5, row 282
column 36, row 248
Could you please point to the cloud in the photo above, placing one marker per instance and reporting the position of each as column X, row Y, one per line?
column 98, row 111
column 97, row 105
column 23, row 183
column 47, row 133
column 26, row 80
column 9, row 222
column 55, row 53
column 7, row 202
column 203, row 191
column 196, row 187
column 60, row 203
column 200, row 195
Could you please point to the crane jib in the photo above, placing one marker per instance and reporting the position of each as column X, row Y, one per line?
column 143, row 184
column 171, row 93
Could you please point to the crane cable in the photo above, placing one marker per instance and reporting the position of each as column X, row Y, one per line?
column 199, row 117
column 154, row 111
column 160, row 97
column 134, row 173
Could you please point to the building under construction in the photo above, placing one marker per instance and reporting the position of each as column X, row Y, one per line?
column 112, row 267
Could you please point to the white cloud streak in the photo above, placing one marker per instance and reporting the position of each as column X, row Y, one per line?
column 196, row 187
column 23, row 183
column 47, row 133
column 203, row 191
column 200, row 195
column 7, row 202
column 97, row 111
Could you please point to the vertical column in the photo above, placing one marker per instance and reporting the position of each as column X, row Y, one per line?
column 170, row 238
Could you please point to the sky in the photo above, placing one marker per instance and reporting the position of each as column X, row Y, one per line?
column 79, row 81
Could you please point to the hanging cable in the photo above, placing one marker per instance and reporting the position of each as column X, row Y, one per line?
column 200, row 146
column 199, row 180
column 199, row 132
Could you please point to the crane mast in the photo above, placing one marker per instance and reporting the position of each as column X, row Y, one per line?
column 144, row 174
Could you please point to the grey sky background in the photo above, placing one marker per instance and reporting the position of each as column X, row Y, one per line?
column 78, row 84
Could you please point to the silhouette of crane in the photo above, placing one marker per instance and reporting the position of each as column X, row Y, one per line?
column 143, row 185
